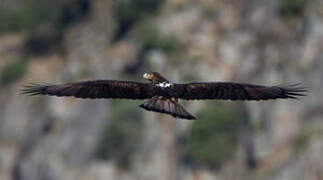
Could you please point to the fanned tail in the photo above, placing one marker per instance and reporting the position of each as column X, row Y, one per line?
column 168, row 106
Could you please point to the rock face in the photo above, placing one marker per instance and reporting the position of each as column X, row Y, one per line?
column 253, row 41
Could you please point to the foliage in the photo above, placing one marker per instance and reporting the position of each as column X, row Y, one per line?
column 293, row 7
column 14, row 20
column 213, row 138
column 129, row 12
column 26, row 16
column 151, row 38
column 121, row 135
column 43, row 21
column 302, row 139
column 210, row 10
column 13, row 71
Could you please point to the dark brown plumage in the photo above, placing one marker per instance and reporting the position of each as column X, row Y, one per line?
column 235, row 91
column 94, row 89
column 162, row 95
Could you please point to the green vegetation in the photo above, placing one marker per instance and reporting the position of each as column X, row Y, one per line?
column 302, row 138
column 151, row 38
column 213, row 137
column 13, row 71
column 122, row 135
column 129, row 12
column 44, row 22
column 14, row 20
column 293, row 7
column 27, row 15
column 210, row 10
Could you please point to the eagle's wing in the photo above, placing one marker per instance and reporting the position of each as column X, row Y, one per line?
column 94, row 89
column 235, row 91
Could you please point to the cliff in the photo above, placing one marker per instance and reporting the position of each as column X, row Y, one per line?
column 253, row 41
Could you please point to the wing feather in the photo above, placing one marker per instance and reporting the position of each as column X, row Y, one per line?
column 236, row 91
column 94, row 89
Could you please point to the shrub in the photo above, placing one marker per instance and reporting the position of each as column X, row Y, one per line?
column 292, row 7
column 129, row 12
column 302, row 139
column 13, row 71
column 122, row 135
column 148, row 38
column 43, row 21
column 151, row 38
column 16, row 19
column 213, row 138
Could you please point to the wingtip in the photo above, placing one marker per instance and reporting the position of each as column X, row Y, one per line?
column 32, row 89
column 295, row 91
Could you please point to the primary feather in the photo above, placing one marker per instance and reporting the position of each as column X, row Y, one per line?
column 235, row 91
column 163, row 95
column 94, row 89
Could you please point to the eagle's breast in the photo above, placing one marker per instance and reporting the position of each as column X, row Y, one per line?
column 164, row 84
column 165, row 89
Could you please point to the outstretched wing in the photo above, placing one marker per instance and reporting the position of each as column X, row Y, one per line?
column 235, row 91
column 94, row 89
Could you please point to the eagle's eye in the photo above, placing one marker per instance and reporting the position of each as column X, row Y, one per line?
column 148, row 76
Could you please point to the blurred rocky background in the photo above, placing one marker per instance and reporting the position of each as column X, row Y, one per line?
column 266, row 42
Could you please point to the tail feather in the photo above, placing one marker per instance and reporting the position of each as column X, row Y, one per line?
column 168, row 106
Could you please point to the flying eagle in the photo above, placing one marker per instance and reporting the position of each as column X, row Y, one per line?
column 163, row 95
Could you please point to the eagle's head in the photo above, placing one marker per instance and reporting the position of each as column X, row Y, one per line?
column 154, row 77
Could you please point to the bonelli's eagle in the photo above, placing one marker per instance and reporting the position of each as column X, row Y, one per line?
column 163, row 95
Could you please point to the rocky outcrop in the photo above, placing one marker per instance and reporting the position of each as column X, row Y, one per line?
column 245, row 41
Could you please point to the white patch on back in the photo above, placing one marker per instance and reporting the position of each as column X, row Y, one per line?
column 164, row 84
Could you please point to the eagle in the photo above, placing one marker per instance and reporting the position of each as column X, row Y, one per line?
column 163, row 96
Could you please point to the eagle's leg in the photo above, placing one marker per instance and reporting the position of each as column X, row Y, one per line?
column 168, row 106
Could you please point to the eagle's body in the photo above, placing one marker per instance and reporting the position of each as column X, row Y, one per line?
column 163, row 95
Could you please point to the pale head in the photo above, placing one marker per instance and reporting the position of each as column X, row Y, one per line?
column 148, row 76
column 154, row 77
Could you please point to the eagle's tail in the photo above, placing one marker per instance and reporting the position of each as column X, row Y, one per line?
column 168, row 106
